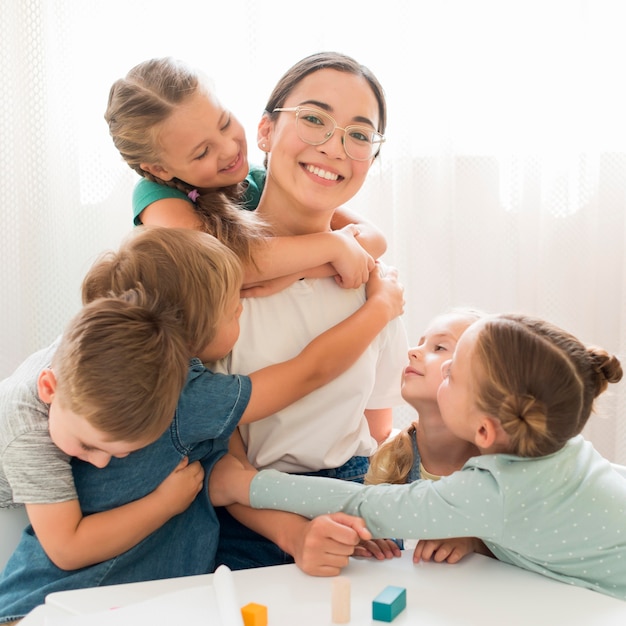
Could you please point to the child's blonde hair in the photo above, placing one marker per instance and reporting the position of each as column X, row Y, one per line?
column 121, row 364
column 187, row 270
column 138, row 105
column 538, row 380
column 393, row 460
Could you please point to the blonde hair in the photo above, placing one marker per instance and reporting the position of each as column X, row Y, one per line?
column 393, row 460
column 538, row 380
column 121, row 364
column 138, row 104
column 185, row 270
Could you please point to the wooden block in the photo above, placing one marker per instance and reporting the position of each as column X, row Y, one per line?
column 254, row 614
column 340, row 601
column 389, row 603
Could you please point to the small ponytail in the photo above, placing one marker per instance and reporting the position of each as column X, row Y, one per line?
column 605, row 366
column 393, row 460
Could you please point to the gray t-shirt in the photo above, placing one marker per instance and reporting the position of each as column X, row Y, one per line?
column 32, row 469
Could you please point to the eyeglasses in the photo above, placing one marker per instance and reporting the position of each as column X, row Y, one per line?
column 316, row 127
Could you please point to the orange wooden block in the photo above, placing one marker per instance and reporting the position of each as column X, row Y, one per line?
column 254, row 614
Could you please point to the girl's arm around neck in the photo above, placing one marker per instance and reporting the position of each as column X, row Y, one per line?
column 348, row 252
column 295, row 256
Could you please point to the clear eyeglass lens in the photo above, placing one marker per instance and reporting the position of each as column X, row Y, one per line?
column 315, row 128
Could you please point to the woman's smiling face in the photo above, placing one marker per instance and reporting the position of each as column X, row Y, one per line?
column 319, row 177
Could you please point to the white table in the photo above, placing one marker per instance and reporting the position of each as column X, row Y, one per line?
column 39, row 615
column 478, row 590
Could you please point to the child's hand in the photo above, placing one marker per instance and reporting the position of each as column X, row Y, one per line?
column 180, row 488
column 324, row 545
column 353, row 264
column 383, row 283
column 449, row 550
column 380, row 549
column 229, row 482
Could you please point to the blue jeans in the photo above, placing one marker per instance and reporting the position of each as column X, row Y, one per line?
column 240, row 547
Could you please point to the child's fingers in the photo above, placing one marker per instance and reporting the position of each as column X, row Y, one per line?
column 183, row 463
column 424, row 550
column 355, row 523
column 380, row 549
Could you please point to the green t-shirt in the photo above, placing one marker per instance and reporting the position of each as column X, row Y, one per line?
column 146, row 192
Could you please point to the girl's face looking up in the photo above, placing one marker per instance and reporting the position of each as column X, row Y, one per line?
column 422, row 377
column 321, row 176
column 202, row 144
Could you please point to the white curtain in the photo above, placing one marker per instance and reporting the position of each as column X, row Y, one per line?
column 502, row 184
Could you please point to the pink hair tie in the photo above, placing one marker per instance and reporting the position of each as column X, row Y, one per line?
column 193, row 195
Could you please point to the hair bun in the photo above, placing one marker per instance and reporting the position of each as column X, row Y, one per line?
column 607, row 367
column 524, row 418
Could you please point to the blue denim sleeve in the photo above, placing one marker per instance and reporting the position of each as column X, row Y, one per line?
column 211, row 405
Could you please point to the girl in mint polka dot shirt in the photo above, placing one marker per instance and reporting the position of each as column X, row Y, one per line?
column 538, row 496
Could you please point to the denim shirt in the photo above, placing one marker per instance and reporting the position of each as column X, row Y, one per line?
column 208, row 412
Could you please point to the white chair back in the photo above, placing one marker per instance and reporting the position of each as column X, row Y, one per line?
column 12, row 522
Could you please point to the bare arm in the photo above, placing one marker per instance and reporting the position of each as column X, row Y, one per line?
column 320, row 547
column 171, row 213
column 370, row 236
column 380, row 422
column 339, row 252
column 345, row 253
column 289, row 253
column 328, row 355
column 72, row 540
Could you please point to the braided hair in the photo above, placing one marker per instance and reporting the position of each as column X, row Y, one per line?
column 138, row 104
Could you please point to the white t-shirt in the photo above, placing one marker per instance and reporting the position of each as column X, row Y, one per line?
column 327, row 427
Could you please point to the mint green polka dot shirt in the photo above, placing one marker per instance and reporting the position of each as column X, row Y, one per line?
column 562, row 515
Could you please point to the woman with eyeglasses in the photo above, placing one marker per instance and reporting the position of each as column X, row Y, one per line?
column 191, row 152
column 322, row 129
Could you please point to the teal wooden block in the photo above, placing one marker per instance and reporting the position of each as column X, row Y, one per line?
column 389, row 603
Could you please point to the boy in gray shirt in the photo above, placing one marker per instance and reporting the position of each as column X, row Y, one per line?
column 91, row 395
